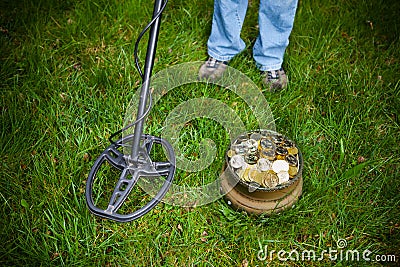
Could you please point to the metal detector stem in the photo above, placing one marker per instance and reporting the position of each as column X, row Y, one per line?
column 145, row 89
column 139, row 164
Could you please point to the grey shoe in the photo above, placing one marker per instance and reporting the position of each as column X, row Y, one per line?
column 212, row 69
column 275, row 80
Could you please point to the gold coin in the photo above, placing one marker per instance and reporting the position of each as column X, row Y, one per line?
column 270, row 180
column 293, row 150
column 231, row 153
column 245, row 175
column 280, row 157
column 259, row 177
column 252, row 173
column 293, row 171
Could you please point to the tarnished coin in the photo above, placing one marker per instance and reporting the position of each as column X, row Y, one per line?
column 255, row 136
column 283, row 177
column 268, row 154
column 278, row 139
column 251, row 158
column 287, row 144
column 266, row 144
column 270, row 180
column 252, row 145
column 293, row 171
column 240, row 149
column 292, row 150
column 281, row 151
column 279, row 166
column 237, row 161
column 292, row 160
column 264, row 164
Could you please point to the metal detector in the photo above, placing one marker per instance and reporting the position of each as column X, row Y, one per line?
column 138, row 162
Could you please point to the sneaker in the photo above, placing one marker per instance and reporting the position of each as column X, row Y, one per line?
column 275, row 80
column 212, row 69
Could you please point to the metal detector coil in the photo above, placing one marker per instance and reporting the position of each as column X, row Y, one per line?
column 131, row 171
column 138, row 163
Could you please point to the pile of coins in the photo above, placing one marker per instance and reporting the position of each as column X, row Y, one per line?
column 264, row 158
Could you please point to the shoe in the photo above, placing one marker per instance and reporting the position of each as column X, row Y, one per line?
column 212, row 69
column 275, row 80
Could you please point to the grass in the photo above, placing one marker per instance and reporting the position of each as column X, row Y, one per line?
column 67, row 78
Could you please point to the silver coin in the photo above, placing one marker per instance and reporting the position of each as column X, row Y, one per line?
column 264, row 164
column 279, row 166
column 237, row 161
column 240, row 149
column 283, row 177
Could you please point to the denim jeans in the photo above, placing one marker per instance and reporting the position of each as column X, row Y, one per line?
column 275, row 19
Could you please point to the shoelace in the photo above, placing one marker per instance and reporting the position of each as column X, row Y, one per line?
column 213, row 63
column 273, row 74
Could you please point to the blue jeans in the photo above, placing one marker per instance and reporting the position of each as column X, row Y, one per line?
column 275, row 19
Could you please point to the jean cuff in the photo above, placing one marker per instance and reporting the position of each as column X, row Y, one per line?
column 269, row 67
column 219, row 57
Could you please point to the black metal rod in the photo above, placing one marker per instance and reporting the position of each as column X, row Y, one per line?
column 148, row 67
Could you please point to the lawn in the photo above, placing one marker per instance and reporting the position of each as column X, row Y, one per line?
column 67, row 79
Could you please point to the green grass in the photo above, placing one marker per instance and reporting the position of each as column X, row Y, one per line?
column 67, row 77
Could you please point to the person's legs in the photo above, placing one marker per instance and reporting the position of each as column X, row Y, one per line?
column 224, row 41
column 275, row 24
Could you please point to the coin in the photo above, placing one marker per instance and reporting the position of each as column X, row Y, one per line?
column 292, row 150
column 230, row 153
column 253, row 172
column 293, row 171
column 278, row 138
column 264, row 164
column 251, row 159
column 268, row 154
column 245, row 175
column 255, row 136
column 240, row 149
column 292, row 160
column 280, row 165
column 280, row 157
column 256, row 175
column 237, row 161
column 287, row 143
column 266, row 144
column 252, row 145
column 283, row 177
column 270, row 180
column 281, row 150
